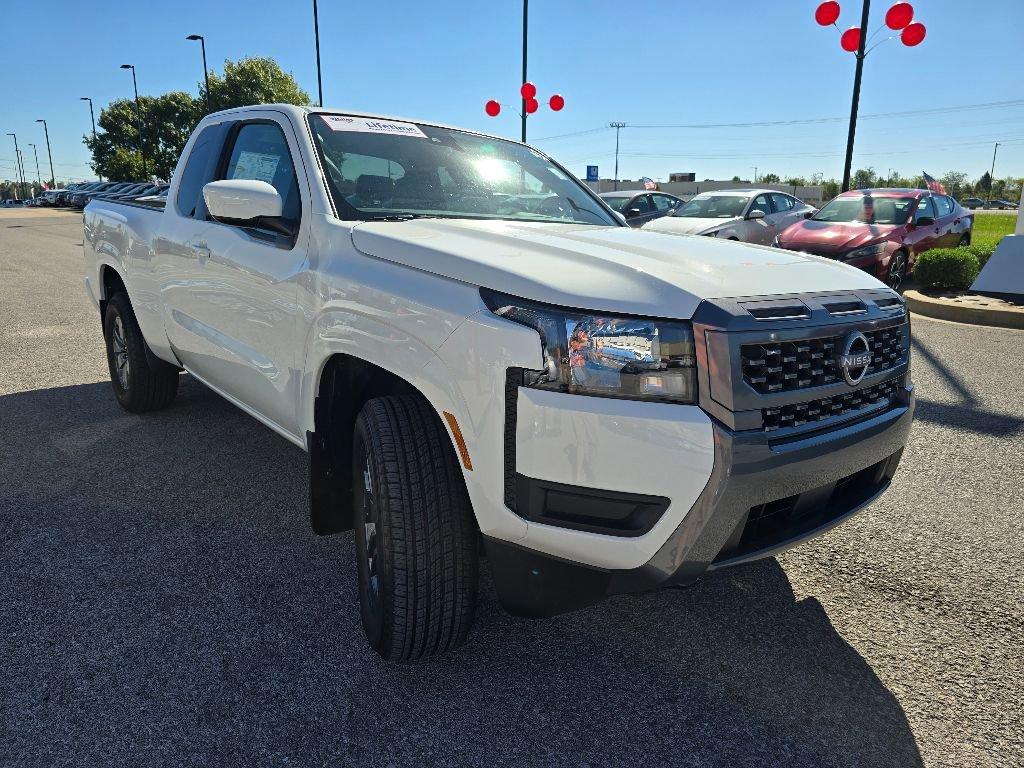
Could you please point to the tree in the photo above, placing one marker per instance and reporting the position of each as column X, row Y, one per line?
column 796, row 181
column 167, row 122
column 829, row 189
column 984, row 183
column 252, row 81
column 736, row 178
column 769, row 178
column 864, row 178
column 955, row 182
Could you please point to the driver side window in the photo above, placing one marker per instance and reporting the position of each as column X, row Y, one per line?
column 760, row 203
column 925, row 207
column 260, row 152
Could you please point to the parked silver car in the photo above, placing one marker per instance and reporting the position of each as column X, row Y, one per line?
column 748, row 215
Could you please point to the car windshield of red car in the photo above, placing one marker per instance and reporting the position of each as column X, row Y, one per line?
column 867, row 210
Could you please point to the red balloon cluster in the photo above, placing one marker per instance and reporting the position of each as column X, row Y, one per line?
column 530, row 104
column 899, row 17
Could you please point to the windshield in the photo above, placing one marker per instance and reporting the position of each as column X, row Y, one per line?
column 382, row 169
column 714, row 207
column 867, row 210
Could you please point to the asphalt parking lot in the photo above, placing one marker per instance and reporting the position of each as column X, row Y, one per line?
column 163, row 600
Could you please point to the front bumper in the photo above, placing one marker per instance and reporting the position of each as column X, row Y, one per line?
column 764, row 496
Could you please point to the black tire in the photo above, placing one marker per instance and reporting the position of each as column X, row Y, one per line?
column 896, row 275
column 138, row 386
column 416, row 540
column 965, row 240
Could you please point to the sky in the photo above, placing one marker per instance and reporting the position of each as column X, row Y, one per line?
column 681, row 63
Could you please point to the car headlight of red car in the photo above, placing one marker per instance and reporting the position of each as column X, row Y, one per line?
column 869, row 250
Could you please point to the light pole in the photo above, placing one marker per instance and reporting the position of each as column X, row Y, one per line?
column 316, row 36
column 36, row 154
column 93, row 118
column 206, row 72
column 755, row 173
column 526, row 26
column 992, row 175
column 17, row 163
column 617, row 127
column 138, row 110
column 53, row 179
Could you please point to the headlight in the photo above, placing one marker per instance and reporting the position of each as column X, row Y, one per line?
column 870, row 250
column 628, row 357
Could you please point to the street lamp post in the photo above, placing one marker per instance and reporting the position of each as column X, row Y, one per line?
column 36, row 154
column 93, row 118
column 526, row 15
column 138, row 111
column 206, row 72
column 755, row 173
column 53, row 179
column 17, row 163
column 316, row 36
column 991, row 175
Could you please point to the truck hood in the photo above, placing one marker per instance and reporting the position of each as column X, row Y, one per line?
column 615, row 269
column 688, row 225
column 830, row 238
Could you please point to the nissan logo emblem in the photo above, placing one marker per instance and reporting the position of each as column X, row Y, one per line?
column 856, row 358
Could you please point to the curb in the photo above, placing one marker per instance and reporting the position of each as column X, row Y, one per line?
column 996, row 317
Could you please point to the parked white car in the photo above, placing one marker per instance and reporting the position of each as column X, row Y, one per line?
column 747, row 215
column 472, row 370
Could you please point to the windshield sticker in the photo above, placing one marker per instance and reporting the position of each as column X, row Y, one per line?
column 253, row 165
column 365, row 125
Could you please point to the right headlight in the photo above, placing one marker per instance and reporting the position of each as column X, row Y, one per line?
column 598, row 354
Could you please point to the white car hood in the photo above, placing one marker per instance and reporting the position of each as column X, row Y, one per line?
column 687, row 225
column 615, row 269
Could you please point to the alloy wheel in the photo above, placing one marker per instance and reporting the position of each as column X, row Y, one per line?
column 120, row 351
column 897, row 270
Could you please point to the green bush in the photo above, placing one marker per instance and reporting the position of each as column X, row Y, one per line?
column 947, row 269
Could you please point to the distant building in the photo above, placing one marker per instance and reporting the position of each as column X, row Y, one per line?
column 682, row 177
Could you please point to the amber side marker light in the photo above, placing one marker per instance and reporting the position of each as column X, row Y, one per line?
column 460, row 442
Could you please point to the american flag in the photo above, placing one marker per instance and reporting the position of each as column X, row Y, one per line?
column 932, row 184
column 649, row 183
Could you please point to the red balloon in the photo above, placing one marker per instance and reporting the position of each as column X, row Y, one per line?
column 913, row 34
column 899, row 16
column 528, row 91
column 827, row 13
column 850, row 39
column 556, row 102
column 492, row 108
column 531, row 106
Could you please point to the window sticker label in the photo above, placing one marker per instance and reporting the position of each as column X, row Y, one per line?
column 366, row 125
column 253, row 165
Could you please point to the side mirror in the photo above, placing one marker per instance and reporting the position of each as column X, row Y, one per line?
column 757, row 213
column 245, row 201
column 924, row 221
column 633, row 212
column 808, row 214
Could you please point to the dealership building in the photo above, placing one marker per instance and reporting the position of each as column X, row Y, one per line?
column 682, row 185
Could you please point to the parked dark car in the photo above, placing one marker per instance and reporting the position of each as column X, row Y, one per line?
column 1001, row 205
column 73, row 197
column 972, row 203
column 881, row 230
column 641, row 206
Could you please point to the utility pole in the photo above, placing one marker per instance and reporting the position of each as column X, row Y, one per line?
column 316, row 35
column 755, row 173
column 138, row 110
column 93, row 118
column 526, row 13
column 53, row 179
column 206, row 72
column 992, row 175
column 865, row 12
column 617, row 127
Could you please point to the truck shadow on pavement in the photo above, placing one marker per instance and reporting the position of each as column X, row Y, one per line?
column 164, row 601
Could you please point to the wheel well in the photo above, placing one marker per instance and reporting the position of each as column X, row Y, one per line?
column 346, row 384
column 111, row 284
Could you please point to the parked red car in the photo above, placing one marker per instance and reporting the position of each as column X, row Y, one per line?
column 881, row 230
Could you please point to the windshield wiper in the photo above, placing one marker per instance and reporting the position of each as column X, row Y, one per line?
column 576, row 207
column 394, row 216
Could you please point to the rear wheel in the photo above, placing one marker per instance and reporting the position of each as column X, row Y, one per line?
column 965, row 240
column 897, row 271
column 416, row 541
column 138, row 385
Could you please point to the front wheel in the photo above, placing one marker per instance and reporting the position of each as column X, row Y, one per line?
column 416, row 540
column 897, row 271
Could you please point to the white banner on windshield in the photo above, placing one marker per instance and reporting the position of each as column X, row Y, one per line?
column 368, row 125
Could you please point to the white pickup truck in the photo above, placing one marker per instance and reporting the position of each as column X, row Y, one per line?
column 482, row 359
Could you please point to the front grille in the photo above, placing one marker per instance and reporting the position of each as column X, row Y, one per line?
column 798, row 414
column 784, row 366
